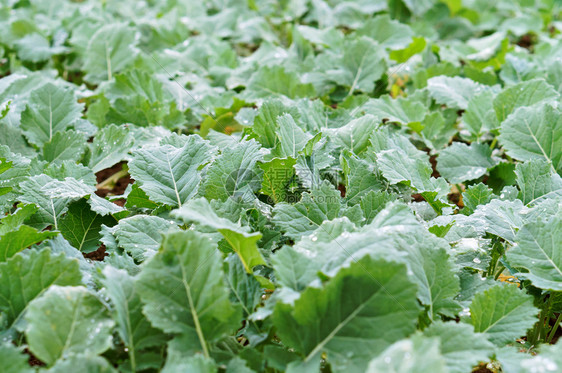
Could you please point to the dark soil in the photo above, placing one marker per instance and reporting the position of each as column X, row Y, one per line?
column 526, row 41
column 33, row 361
column 120, row 185
column 97, row 255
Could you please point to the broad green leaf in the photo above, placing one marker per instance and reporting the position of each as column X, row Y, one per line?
column 51, row 109
column 460, row 162
column 69, row 188
column 13, row 221
column 476, row 195
column 177, row 361
column 355, row 135
column 537, row 182
column 461, row 347
column 337, row 319
column 49, row 209
column 303, row 217
column 67, row 320
column 168, row 174
column 502, row 218
column 537, row 250
column 138, row 198
column 534, row 132
column 51, row 269
column 234, row 173
column 277, row 175
column 524, row 94
column 67, row 145
column 103, row 207
column 292, row 139
column 373, row 202
column 360, row 178
column 398, row 110
column 276, row 82
column 361, row 65
column 13, row 359
column 416, row 46
column 387, row 32
column 244, row 244
column 397, row 166
column 15, row 241
column 111, row 49
column 503, row 313
column 265, row 122
column 431, row 266
column 480, row 116
column 454, row 92
column 200, row 311
column 141, row 235
column 133, row 327
column 83, row 362
column 81, row 226
column 36, row 48
column 110, row 146
column 416, row 354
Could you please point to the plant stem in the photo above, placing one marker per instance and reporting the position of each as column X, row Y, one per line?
column 554, row 328
column 494, row 142
column 112, row 179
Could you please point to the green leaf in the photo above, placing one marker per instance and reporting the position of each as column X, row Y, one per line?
column 416, row 46
column 399, row 110
column 275, row 82
column 65, row 145
column 141, row 235
column 480, row 116
column 15, row 241
column 524, row 94
column 461, row 347
column 13, row 360
column 36, row 48
column 537, row 250
column 336, row 318
column 110, row 146
column 277, row 175
column 537, row 182
column 51, row 109
column 302, row 218
column 67, row 320
column 265, row 123
column 177, row 361
column 502, row 218
column 416, row 354
column 503, row 313
column 476, row 195
column 13, row 221
column 50, row 209
column 244, row 244
column 111, row 49
column 292, row 139
column 138, row 198
column 361, row 65
column 51, row 269
column 460, row 162
column 454, row 92
column 360, row 178
column 534, row 133
column 387, row 32
column 169, row 174
column 133, row 327
column 81, row 226
column 355, row 135
column 397, row 166
column 200, row 311
column 234, row 173
column 83, row 362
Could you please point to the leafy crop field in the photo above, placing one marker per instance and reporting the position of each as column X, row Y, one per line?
column 280, row 186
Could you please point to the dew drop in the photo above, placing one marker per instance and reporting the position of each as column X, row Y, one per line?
column 476, row 260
